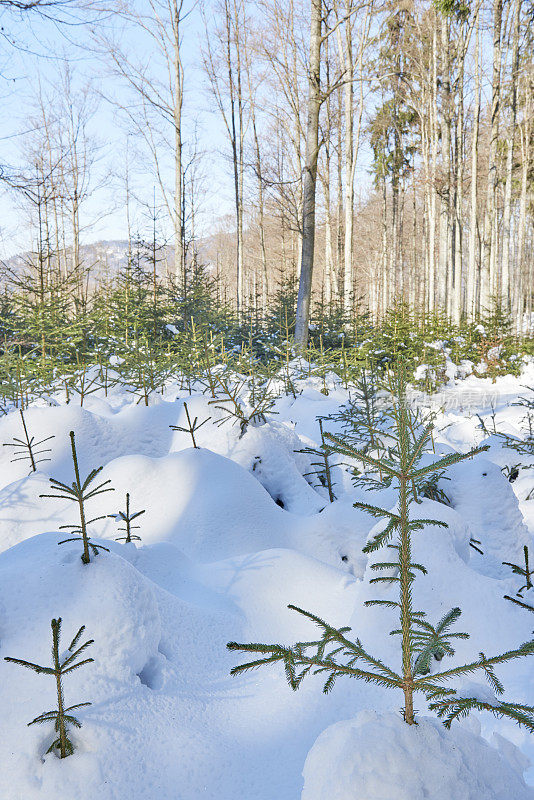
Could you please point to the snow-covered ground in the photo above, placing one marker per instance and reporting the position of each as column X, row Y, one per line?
column 232, row 533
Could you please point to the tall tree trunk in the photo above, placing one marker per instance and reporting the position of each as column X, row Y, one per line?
column 457, row 289
column 472, row 298
column 506, row 288
column 235, row 130
column 346, row 59
column 179, row 260
column 526, row 131
column 445, row 189
column 241, row 156
column 434, row 134
column 309, row 181
column 265, row 288
column 488, row 276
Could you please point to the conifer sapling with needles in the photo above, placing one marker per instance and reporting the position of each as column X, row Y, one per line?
column 193, row 426
column 25, row 449
column 335, row 655
column 128, row 517
column 61, row 717
column 261, row 402
column 79, row 492
column 323, row 471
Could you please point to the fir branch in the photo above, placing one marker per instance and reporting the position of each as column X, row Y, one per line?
column 447, row 461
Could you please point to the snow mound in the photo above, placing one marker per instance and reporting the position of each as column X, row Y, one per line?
column 109, row 596
column 379, row 757
column 336, row 536
column 40, row 581
column 206, row 504
column 270, row 451
column 485, row 500
column 262, row 585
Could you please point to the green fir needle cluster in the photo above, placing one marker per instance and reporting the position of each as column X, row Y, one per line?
column 527, row 573
column 323, row 468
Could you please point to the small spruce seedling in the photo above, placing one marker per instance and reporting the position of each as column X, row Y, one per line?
column 86, row 385
column 336, row 655
column 79, row 492
column 128, row 517
column 528, row 574
column 323, row 468
column 261, row 402
column 364, row 417
column 193, row 426
column 61, row 717
column 26, row 449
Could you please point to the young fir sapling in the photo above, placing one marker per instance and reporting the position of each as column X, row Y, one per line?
column 86, row 384
column 61, row 717
column 364, row 417
column 261, row 402
column 192, row 426
column 128, row 517
column 524, row 446
column 366, row 421
column 25, row 449
column 335, row 655
column 323, row 471
column 79, row 492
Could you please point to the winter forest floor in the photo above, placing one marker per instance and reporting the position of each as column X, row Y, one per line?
column 232, row 532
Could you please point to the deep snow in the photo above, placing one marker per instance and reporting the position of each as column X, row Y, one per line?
column 232, row 533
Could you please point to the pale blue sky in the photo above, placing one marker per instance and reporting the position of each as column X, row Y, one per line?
column 22, row 68
column 41, row 50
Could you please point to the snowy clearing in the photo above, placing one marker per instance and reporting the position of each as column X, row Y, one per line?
column 232, row 533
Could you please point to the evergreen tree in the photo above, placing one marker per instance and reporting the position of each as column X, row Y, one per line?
column 79, row 492
column 528, row 574
column 334, row 654
column 61, row 666
column 128, row 517
column 25, row 448
column 192, row 426
column 323, row 469
column 229, row 400
column 363, row 418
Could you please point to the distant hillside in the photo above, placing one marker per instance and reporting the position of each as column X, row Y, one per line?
column 102, row 258
column 107, row 257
